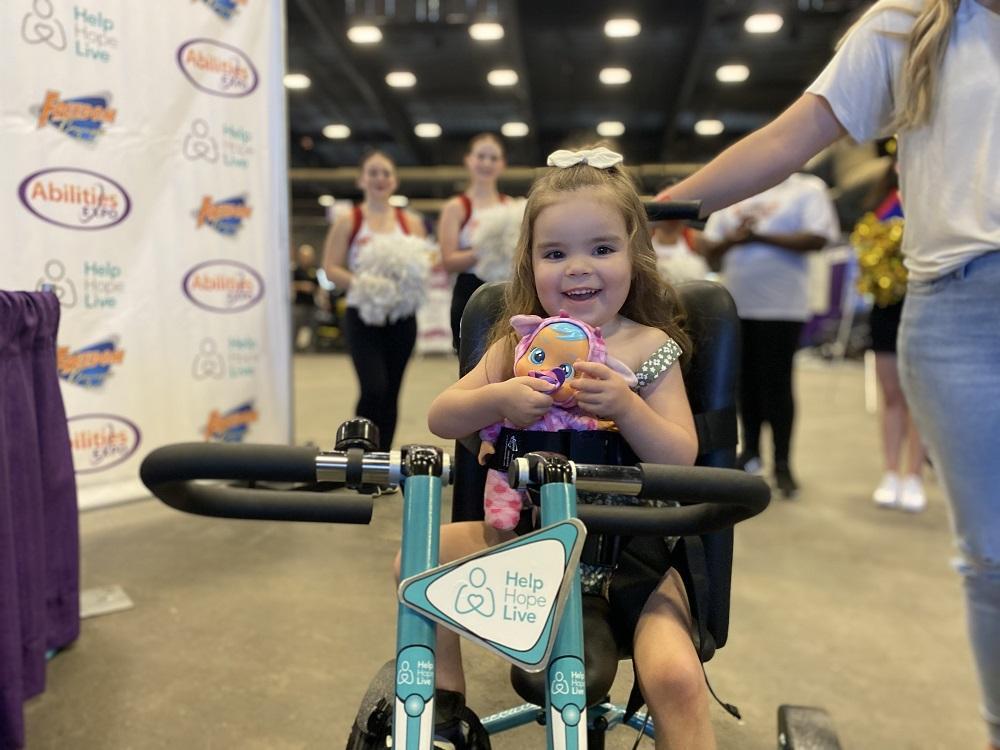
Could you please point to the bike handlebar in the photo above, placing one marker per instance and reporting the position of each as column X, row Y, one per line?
column 673, row 210
column 172, row 473
column 711, row 499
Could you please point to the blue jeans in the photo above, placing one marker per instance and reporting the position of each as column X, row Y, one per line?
column 949, row 361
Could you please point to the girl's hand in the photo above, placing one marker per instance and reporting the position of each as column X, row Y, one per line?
column 523, row 400
column 602, row 391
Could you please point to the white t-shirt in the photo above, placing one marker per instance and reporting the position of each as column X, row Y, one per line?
column 768, row 282
column 677, row 262
column 949, row 169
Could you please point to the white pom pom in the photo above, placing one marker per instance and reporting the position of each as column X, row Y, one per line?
column 494, row 240
column 390, row 279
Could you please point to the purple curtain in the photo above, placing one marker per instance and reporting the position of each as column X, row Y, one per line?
column 39, row 536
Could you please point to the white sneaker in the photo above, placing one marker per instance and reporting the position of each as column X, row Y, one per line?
column 911, row 494
column 887, row 494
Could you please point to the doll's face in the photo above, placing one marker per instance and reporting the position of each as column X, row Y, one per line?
column 551, row 355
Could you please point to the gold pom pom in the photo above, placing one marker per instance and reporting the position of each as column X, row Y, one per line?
column 882, row 273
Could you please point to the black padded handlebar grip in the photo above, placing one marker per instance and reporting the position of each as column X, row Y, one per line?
column 220, row 501
column 673, row 210
column 695, row 484
column 182, row 461
column 169, row 472
column 685, row 520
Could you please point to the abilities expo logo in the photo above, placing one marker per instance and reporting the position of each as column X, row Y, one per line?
column 216, row 68
column 101, row 441
column 224, row 286
column 225, row 215
column 230, row 426
column 90, row 366
column 83, row 118
column 74, row 198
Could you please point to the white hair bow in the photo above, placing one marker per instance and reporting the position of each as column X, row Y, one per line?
column 599, row 157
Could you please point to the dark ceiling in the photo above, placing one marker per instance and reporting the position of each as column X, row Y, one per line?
column 557, row 48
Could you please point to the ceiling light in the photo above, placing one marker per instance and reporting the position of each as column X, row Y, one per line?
column 364, row 34
column 399, row 201
column 486, row 32
column 763, row 23
column 427, row 129
column 514, row 129
column 709, row 127
column 732, row 73
column 296, row 81
column 337, row 131
column 610, row 128
column 622, row 27
column 401, row 79
column 502, row 77
column 615, row 76
column 325, row 200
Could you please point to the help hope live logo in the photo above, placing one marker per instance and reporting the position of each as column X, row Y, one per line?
column 91, row 32
column 507, row 598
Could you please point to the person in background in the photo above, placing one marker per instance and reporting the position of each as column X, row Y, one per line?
column 761, row 245
column 897, row 427
column 485, row 162
column 926, row 70
column 304, row 286
column 676, row 248
column 380, row 353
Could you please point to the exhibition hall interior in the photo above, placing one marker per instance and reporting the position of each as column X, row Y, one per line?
column 471, row 374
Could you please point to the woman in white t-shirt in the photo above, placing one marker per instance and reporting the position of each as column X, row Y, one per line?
column 929, row 71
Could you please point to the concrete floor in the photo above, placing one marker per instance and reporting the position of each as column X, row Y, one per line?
column 264, row 635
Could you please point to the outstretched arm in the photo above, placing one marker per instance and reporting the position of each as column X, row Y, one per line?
column 764, row 158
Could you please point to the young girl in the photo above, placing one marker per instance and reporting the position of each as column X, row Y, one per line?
column 379, row 352
column 584, row 248
column 485, row 162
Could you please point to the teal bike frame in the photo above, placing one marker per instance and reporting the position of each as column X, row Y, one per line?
column 565, row 714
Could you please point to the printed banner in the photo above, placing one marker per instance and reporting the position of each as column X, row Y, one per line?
column 145, row 183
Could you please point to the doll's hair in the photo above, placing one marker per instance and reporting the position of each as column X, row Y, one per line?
column 926, row 43
column 650, row 301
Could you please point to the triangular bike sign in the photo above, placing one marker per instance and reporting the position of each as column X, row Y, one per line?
column 507, row 598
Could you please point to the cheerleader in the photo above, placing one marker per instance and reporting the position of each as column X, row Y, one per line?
column 459, row 218
column 380, row 323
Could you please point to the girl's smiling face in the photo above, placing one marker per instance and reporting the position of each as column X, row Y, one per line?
column 580, row 257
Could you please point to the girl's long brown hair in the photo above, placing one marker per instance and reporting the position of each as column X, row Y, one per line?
column 650, row 301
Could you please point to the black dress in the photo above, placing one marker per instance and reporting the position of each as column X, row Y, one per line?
column 884, row 324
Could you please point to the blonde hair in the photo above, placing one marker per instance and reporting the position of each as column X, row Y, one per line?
column 650, row 301
column 926, row 43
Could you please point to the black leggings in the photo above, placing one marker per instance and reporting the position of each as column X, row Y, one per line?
column 380, row 355
column 465, row 285
column 766, row 384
